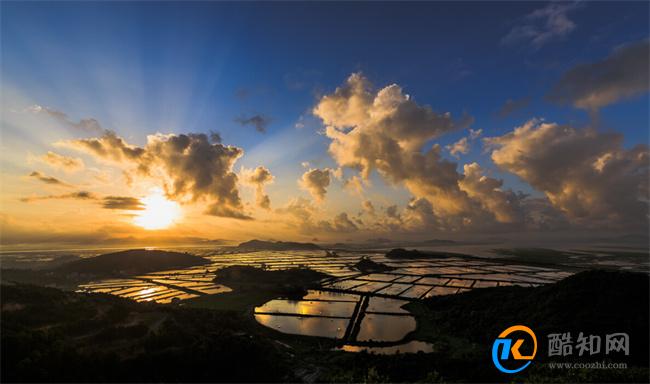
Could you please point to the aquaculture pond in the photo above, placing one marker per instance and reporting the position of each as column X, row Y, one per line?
column 363, row 311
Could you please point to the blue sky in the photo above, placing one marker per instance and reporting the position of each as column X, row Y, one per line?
column 197, row 58
column 141, row 67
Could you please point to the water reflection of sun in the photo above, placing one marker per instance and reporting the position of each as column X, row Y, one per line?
column 158, row 212
column 145, row 291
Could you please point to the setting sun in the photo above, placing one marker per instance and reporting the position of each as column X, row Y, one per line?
column 158, row 212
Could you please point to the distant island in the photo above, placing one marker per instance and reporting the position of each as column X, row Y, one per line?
column 261, row 245
column 132, row 262
column 384, row 243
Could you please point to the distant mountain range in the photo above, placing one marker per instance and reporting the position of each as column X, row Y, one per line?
column 381, row 242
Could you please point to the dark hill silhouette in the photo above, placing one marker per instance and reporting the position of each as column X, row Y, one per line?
column 594, row 302
column 260, row 245
column 366, row 265
column 401, row 253
column 244, row 275
column 134, row 261
column 65, row 337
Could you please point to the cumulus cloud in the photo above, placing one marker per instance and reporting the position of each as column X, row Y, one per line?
column 196, row 170
column 315, row 181
column 464, row 145
column 542, row 25
column 354, row 109
column 304, row 212
column 459, row 147
column 299, row 207
column 215, row 137
column 392, row 212
column 258, row 178
column 368, row 207
column 354, row 184
column 47, row 179
column 586, row 174
column 387, row 131
column 419, row 215
column 191, row 167
column 109, row 146
column 342, row 223
column 622, row 75
column 122, row 202
column 260, row 122
column 62, row 162
column 505, row 205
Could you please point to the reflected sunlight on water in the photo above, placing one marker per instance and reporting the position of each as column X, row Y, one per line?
column 385, row 327
column 410, row 347
column 306, row 326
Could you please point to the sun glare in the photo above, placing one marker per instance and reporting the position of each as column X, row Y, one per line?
column 158, row 212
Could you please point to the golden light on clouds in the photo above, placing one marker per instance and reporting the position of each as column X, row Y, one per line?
column 158, row 212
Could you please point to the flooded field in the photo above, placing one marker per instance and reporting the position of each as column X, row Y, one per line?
column 364, row 311
column 411, row 279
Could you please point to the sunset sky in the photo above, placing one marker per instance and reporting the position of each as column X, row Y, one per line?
column 168, row 122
